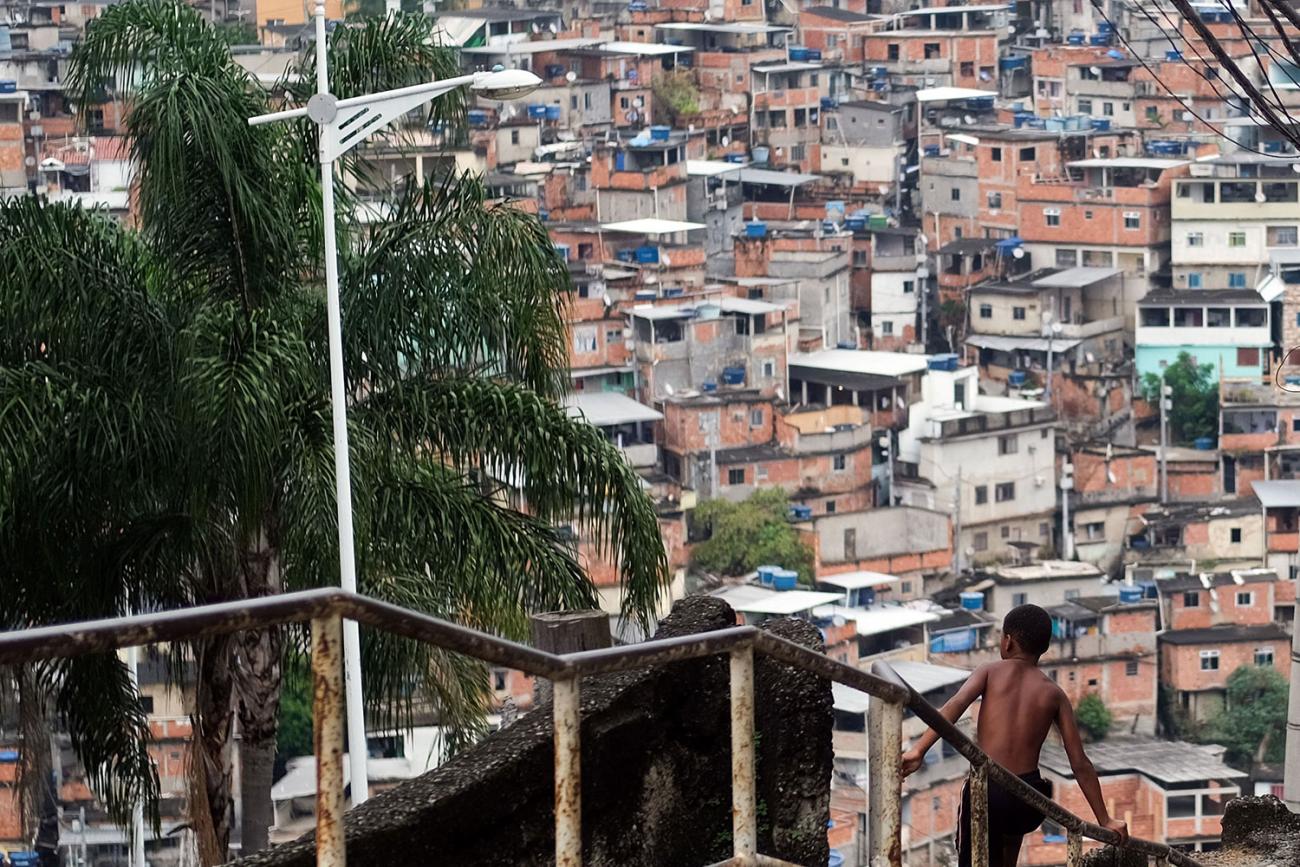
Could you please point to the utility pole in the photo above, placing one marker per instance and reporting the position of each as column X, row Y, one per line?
column 1067, row 531
column 1291, row 768
column 137, row 809
column 887, row 445
column 1165, row 405
column 957, row 557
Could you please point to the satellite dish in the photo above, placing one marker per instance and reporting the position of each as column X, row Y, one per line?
column 1018, row 252
column 609, row 302
column 552, row 27
column 726, row 140
column 1295, row 167
column 1011, row 28
column 29, row 161
column 668, row 389
column 1095, row 70
column 571, row 76
column 1260, row 197
column 968, row 120
column 668, row 263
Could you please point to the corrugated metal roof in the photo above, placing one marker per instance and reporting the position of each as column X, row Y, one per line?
column 1278, row 493
column 605, row 408
column 1072, row 278
column 651, row 226
column 1166, row 762
column 779, row 179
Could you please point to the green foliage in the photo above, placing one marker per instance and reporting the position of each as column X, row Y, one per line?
column 165, row 420
column 1094, row 717
column 237, row 33
column 676, row 93
column 1254, row 715
column 749, row 534
column 294, row 732
column 1195, row 399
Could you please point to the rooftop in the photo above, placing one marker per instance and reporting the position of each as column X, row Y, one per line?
column 651, row 226
column 607, row 408
column 1206, row 580
column 923, row 677
column 1047, row 570
column 1168, row 762
column 1127, row 163
column 1278, row 493
column 1230, row 633
column 857, row 580
column 862, row 361
column 752, row 599
column 878, row 619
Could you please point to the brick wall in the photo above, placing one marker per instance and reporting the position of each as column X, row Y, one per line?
column 1180, row 665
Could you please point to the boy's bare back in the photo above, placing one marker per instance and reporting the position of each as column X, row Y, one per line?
column 1018, row 706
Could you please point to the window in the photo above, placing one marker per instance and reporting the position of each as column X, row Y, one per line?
column 1245, row 598
column 955, row 193
column 1131, row 668
column 1236, row 239
column 967, row 69
column 1153, row 113
column 981, row 494
column 769, row 368
column 830, row 507
column 986, row 311
column 146, row 701
column 1043, row 530
column 584, row 340
column 1218, row 317
column 498, row 679
column 1005, row 532
column 1018, row 313
column 1108, row 109
column 1008, row 444
column 1132, row 220
column 1028, row 155
column 1196, row 239
column 756, row 418
column 995, row 200
column 1235, row 534
column 1052, row 216
column 995, row 154
column 891, row 51
column 1264, row 657
column 1005, row 492
column 1194, row 281
column 839, row 463
column 736, row 476
column 514, row 136
column 1192, row 599
column 909, row 286
column 1087, row 215
column 1236, row 279
column 859, row 256
column 886, row 327
column 980, row 542
column 1067, row 258
column 1085, row 106
column 1019, row 598
column 1209, row 660
column 932, row 50
column 1094, row 530
column 573, row 102
column 1252, row 317
column 1282, row 236
column 850, row 544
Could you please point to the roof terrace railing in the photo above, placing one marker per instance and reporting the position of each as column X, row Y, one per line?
column 326, row 609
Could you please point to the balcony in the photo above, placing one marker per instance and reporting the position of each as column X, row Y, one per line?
column 1284, row 543
column 648, row 178
column 1084, row 330
column 641, row 455
column 992, row 421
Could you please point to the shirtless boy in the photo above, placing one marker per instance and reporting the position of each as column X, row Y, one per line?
column 1019, row 706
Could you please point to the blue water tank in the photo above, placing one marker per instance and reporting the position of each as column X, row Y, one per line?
column 645, row 295
column 761, row 154
column 1101, row 124
column 829, row 102
column 1076, row 39
column 1016, row 378
column 660, row 133
column 801, row 513
column 1203, row 444
column 766, row 573
column 785, row 579
column 733, row 375
column 8, row 85
column 1174, row 56
column 626, row 255
column 537, row 111
column 736, row 158
column 1130, row 594
column 647, row 255
column 931, row 150
column 477, row 117
column 836, row 859
column 798, row 53
column 943, row 361
column 673, row 291
column 755, row 229
column 846, row 344
column 1099, row 39
column 708, row 387
column 815, row 55
column 24, row 859
column 972, row 600
column 552, row 112
column 856, row 224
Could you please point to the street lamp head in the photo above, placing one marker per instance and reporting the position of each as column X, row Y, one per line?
column 504, row 84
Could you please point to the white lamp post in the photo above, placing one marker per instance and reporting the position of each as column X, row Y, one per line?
column 345, row 123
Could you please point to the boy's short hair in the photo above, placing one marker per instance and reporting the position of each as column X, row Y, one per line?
column 1031, row 627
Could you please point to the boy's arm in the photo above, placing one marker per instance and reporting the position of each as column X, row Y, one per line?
column 952, row 710
column 1084, row 772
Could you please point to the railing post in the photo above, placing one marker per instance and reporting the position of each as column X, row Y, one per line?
column 884, row 772
column 1074, row 849
column 567, row 720
column 744, row 789
column 979, row 815
column 327, row 715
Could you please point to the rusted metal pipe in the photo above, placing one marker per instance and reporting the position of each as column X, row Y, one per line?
column 744, row 790
column 327, row 725
column 566, row 715
column 979, row 814
column 658, row 652
column 1074, row 849
column 885, row 796
column 819, row 663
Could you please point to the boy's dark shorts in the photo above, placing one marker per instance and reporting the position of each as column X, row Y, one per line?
column 1008, row 816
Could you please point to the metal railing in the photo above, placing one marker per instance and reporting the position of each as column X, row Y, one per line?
column 326, row 609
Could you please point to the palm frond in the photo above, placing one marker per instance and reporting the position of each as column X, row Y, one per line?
column 452, row 284
column 566, row 468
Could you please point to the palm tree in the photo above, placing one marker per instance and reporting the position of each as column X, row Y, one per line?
column 165, row 421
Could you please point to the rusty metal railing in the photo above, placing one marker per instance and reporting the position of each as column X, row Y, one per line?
column 326, row 610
